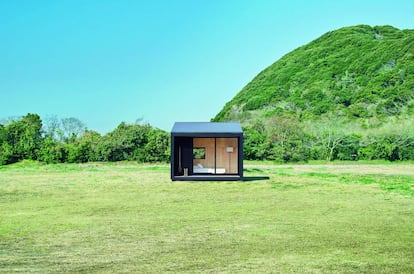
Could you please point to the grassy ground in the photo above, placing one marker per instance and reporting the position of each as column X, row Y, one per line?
column 131, row 218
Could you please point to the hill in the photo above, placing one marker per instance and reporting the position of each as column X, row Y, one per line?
column 348, row 94
column 353, row 72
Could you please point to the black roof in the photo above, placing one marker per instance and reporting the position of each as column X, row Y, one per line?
column 206, row 127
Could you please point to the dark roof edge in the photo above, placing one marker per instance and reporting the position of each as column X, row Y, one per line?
column 207, row 127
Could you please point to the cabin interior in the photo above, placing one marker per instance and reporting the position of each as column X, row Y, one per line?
column 206, row 155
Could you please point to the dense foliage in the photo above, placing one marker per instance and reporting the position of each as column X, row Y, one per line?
column 68, row 140
column 345, row 95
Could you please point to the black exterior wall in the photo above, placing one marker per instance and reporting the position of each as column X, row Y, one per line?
column 182, row 153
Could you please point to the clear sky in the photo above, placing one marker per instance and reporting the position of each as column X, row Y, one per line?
column 108, row 61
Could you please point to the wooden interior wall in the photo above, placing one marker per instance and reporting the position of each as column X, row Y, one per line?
column 208, row 143
column 225, row 159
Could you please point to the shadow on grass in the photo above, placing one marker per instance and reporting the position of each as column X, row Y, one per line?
column 255, row 178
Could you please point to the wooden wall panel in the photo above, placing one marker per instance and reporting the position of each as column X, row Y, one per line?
column 224, row 158
column 208, row 143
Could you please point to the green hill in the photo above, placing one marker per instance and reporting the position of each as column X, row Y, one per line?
column 348, row 94
column 353, row 72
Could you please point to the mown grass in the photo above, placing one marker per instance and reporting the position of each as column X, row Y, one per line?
column 128, row 217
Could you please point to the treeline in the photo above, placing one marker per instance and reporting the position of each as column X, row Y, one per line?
column 285, row 139
column 281, row 138
column 68, row 141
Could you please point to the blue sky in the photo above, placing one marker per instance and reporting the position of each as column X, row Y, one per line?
column 108, row 61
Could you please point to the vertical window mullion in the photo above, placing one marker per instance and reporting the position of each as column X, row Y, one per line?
column 215, row 155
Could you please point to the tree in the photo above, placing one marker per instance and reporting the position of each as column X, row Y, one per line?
column 51, row 127
column 89, row 142
column 287, row 137
column 71, row 128
column 126, row 142
column 255, row 144
column 348, row 148
column 394, row 140
column 3, row 134
column 25, row 137
column 6, row 151
column 77, row 152
column 158, row 147
column 328, row 134
column 52, row 151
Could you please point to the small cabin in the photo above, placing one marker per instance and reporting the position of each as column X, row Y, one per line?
column 205, row 151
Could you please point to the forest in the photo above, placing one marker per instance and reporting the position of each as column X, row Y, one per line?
column 69, row 141
column 285, row 139
column 280, row 139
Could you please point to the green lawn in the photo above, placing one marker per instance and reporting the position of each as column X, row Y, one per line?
column 129, row 217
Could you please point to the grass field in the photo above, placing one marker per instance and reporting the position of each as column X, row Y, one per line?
column 129, row 217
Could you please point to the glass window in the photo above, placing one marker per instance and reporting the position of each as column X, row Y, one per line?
column 199, row 153
column 215, row 155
